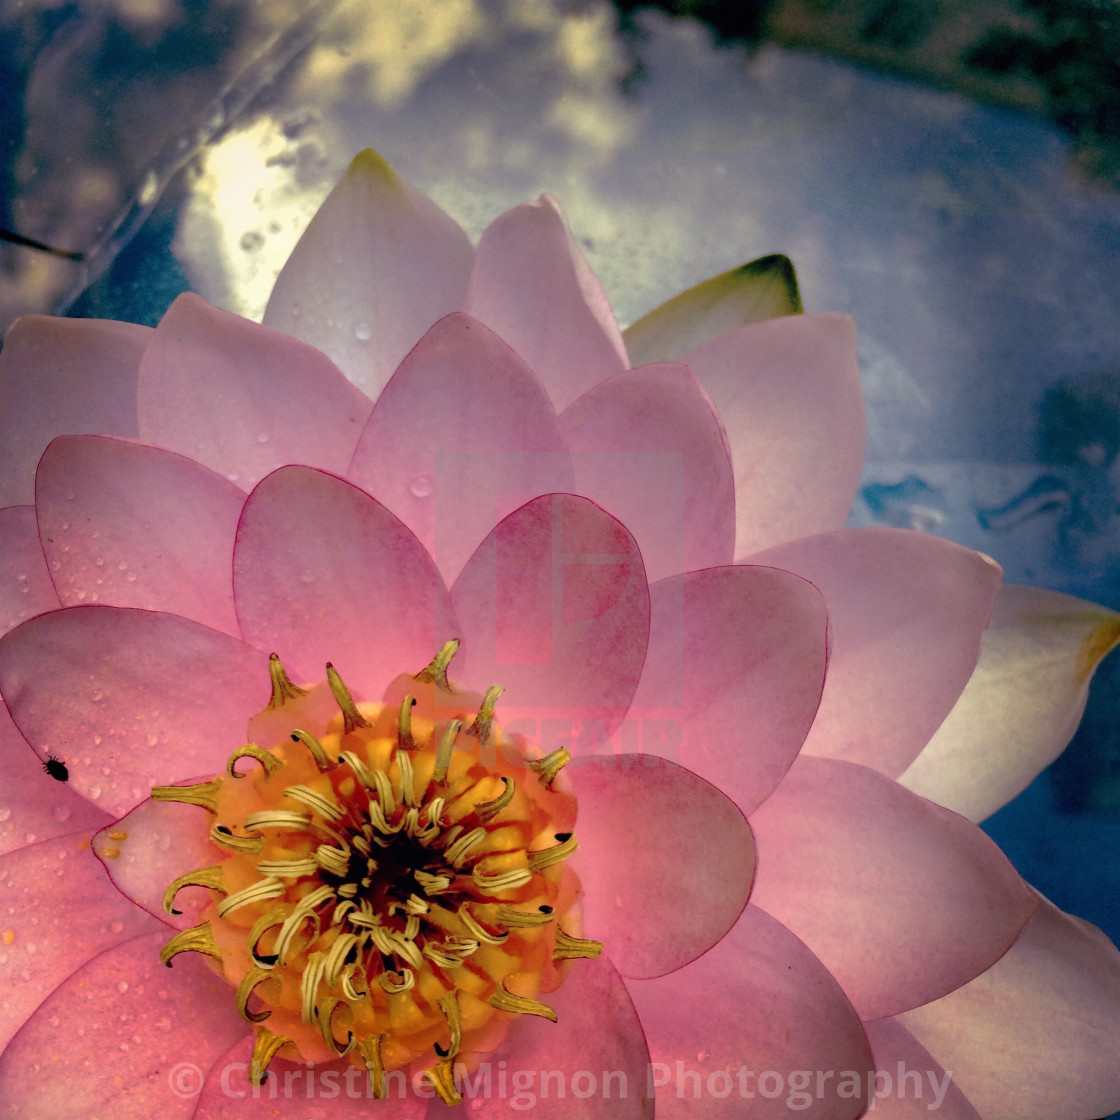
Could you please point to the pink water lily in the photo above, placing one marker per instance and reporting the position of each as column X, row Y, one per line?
column 778, row 729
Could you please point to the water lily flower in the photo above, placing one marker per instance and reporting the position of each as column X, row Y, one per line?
column 471, row 702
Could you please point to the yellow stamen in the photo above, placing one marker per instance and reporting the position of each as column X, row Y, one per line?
column 524, row 919
column 352, row 719
column 257, row 892
column 571, row 948
column 404, row 724
column 505, row 1000
column 322, row 759
column 210, row 877
column 370, row 1049
column 264, row 1050
column 548, row 767
column 486, row 811
column 443, row 1081
column 269, row 761
column 484, row 721
column 203, row 794
column 435, row 672
column 282, row 688
column 446, row 747
column 197, row 939
column 251, row 980
column 547, row 857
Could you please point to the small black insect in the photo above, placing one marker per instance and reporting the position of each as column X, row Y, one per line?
column 56, row 768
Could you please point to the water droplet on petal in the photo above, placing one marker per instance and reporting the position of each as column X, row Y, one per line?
column 96, row 695
column 262, row 437
column 421, row 486
column 62, row 813
column 362, row 332
column 251, row 241
column 5, row 813
column 95, row 792
column 307, row 576
column 122, row 986
column 116, row 927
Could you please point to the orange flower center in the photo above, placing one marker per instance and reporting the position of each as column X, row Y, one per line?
column 392, row 886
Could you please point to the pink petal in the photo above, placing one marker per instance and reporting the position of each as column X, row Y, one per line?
column 787, row 392
column 58, row 376
column 129, row 698
column 909, row 1083
column 462, row 435
column 323, row 573
column 901, row 900
column 554, row 607
column 733, row 676
column 60, row 913
column 761, row 289
column 1038, row 1034
column 25, row 584
column 744, row 1030
column 243, row 399
column 111, row 1043
column 590, row 1064
column 331, row 1091
column 532, row 286
column 33, row 805
column 152, row 845
column 377, row 266
column 907, row 612
column 645, row 823
column 134, row 526
column 647, row 446
column 1021, row 706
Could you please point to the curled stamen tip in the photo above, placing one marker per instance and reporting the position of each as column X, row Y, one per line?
column 351, row 717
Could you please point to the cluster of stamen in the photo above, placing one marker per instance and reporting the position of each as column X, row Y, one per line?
column 384, row 885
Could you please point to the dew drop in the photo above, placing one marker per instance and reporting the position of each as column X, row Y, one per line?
column 96, row 743
column 421, row 486
column 251, row 241
column 5, row 813
column 362, row 332
column 152, row 740
column 122, row 566
column 116, row 927
column 307, row 576
column 30, row 948
column 122, row 986
column 95, row 792
column 62, row 812
column 262, row 437
column 130, row 576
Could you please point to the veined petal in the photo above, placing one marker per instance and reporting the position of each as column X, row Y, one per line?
column 36, row 807
column 129, row 525
column 646, row 446
column 104, row 1045
column 376, row 267
column 907, row 612
column 744, row 1030
column 531, row 286
column 909, row 1081
column 554, row 606
column 1022, row 704
column 733, row 676
column 61, row 376
column 60, row 914
column 322, row 572
column 462, row 435
column 152, row 845
column 25, row 583
column 243, row 399
column 787, row 392
column 902, row 900
column 596, row 1043
column 665, row 861
column 129, row 698
column 1038, row 1034
column 761, row 289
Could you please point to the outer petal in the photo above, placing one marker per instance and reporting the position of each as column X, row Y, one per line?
column 33, row 806
column 647, row 446
column 595, row 1050
column 1038, row 1034
column 787, row 391
column 406, row 265
column 733, row 675
column 134, row 526
column 1021, row 706
column 242, row 399
column 110, row 1043
column 58, row 376
column 323, row 573
column 462, row 435
column 60, row 912
column 761, row 289
column 130, row 698
column 902, row 900
column 666, row 861
column 152, row 845
column 554, row 607
column 752, row 1029
column 909, row 1083
column 531, row 284
column 25, row 584
column 907, row 612
column 334, row 1091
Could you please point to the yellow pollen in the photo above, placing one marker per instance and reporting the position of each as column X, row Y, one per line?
column 378, row 879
